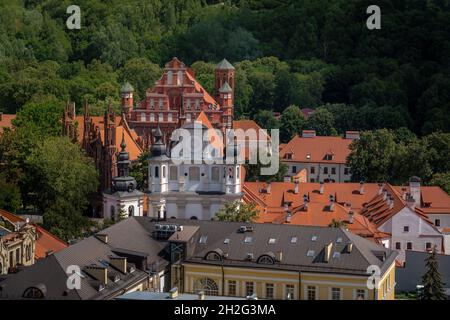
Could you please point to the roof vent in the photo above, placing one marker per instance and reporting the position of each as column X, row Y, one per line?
column 249, row 256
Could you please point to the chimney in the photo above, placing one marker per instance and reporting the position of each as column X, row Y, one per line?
column 102, row 237
column 327, row 253
column 120, row 263
column 99, row 273
column 384, row 194
column 350, row 216
column 279, row 256
column 296, row 187
column 410, row 201
column 269, row 186
column 305, row 202
column 322, row 187
column 308, row 133
column 380, row 188
column 331, row 202
column 349, row 247
column 288, row 217
column 361, row 187
column 414, row 189
column 173, row 293
column 201, row 295
column 352, row 135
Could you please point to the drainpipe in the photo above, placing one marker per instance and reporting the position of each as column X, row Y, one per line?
column 223, row 280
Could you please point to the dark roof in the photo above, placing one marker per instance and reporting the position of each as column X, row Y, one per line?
column 224, row 65
column 126, row 87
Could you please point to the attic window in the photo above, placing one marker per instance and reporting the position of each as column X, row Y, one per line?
column 288, row 156
column 248, row 240
column 314, row 238
column 272, row 240
column 310, row 253
column 294, row 240
column 328, row 157
column 336, row 254
column 308, row 156
column 203, row 239
column 339, row 240
column 226, row 241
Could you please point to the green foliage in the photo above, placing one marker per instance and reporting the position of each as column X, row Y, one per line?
column 253, row 173
column 292, row 121
column 238, row 212
column 433, row 287
column 63, row 178
column 139, row 170
column 337, row 224
column 9, row 196
column 266, row 120
column 442, row 180
column 141, row 73
column 322, row 121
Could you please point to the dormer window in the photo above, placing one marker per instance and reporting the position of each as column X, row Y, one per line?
column 288, row 156
column 329, row 157
column 308, row 156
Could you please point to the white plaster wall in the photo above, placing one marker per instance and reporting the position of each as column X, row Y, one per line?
column 318, row 175
column 445, row 219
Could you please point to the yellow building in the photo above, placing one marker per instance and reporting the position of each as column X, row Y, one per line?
column 283, row 262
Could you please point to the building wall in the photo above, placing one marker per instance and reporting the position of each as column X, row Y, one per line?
column 420, row 232
column 123, row 203
column 444, row 219
column 319, row 175
column 281, row 280
column 14, row 253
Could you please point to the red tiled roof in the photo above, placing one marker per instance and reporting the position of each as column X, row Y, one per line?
column 315, row 149
column 46, row 241
column 6, row 121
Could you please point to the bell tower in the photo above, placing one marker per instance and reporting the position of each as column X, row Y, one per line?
column 224, row 88
column 126, row 95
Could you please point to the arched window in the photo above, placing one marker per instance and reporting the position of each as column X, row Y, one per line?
column 215, row 171
column 173, row 173
column 169, row 77
column 266, row 259
column 37, row 292
column 156, row 172
column 213, row 256
column 207, row 285
column 180, row 78
column 163, row 171
column 237, row 172
column 113, row 212
column 194, row 218
column 194, row 173
column 131, row 211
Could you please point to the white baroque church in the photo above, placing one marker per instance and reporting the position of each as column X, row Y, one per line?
column 179, row 186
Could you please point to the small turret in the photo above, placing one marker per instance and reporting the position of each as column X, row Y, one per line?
column 126, row 94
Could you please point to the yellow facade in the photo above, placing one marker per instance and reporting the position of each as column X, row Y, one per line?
column 277, row 284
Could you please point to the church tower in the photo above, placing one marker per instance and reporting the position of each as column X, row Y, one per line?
column 126, row 95
column 224, row 88
column 122, row 198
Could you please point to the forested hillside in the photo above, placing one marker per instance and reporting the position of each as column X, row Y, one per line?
column 306, row 53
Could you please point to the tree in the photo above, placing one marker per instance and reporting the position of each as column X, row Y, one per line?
column 322, row 121
column 266, row 120
column 372, row 155
column 292, row 122
column 238, row 212
column 63, row 178
column 337, row 224
column 141, row 73
column 9, row 196
column 139, row 170
column 253, row 173
column 442, row 180
column 433, row 287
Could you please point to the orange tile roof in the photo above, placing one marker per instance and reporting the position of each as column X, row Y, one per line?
column 315, row 149
column 6, row 121
column 272, row 209
column 133, row 148
column 46, row 241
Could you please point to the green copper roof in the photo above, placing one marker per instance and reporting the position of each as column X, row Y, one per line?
column 224, row 65
column 126, row 87
column 225, row 88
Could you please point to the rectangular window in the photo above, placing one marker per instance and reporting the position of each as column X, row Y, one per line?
column 152, row 104
column 161, row 103
column 249, row 288
column 335, row 293
column 325, row 170
column 152, row 117
column 333, row 170
column 18, row 260
column 346, row 171
column 409, row 246
column 143, row 118
column 188, row 117
column 160, row 117
column 406, row 229
column 313, row 170
column 173, row 173
column 215, row 172
column 197, row 104
column 398, row 246
column 437, row 222
column 289, row 294
column 188, row 104
column 428, row 246
column 269, row 291
column 232, row 288
column 312, row 180
column 169, row 117
column 294, row 169
column 311, row 293
column 360, row 294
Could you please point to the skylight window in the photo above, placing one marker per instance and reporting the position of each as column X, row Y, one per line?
column 248, row 240
column 294, row 240
column 336, row 254
column 203, row 239
column 310, row 253
column 226, row 241
column 272, row 240
column 308, row 156
column 339, row 240
column 314, row 238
